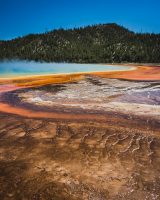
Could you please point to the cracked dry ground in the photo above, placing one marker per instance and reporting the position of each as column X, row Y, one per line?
column 45, row 159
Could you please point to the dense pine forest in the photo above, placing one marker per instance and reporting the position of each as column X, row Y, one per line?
column 103, row 43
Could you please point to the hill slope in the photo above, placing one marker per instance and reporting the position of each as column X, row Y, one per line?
column 92, row 44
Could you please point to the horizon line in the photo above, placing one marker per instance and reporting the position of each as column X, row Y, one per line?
column 78, row 27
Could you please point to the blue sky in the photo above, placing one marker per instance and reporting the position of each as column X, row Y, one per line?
column 21, row 17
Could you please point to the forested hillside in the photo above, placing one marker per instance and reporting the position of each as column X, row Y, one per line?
column 102, row 43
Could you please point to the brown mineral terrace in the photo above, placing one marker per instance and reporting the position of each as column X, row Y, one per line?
column 81, row 136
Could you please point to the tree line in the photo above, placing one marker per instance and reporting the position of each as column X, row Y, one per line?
column 103, row 43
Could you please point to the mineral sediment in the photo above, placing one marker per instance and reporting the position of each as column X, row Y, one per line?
column 95, row 138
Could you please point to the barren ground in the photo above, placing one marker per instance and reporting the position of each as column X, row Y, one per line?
column 114, row 155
